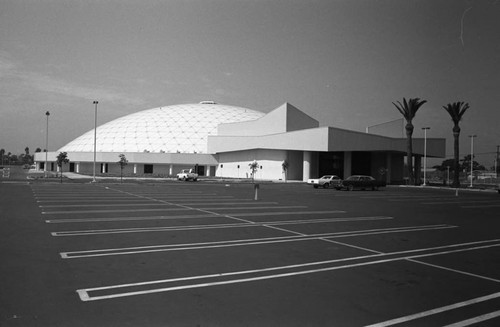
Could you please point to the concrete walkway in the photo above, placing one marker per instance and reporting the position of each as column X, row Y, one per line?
column 80, row 177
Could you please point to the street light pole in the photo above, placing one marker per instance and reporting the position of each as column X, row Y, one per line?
column 471, row 157
column 425, row 152
column 496, row 161
column 46, row 145
column 95, row 136
column 448, row 176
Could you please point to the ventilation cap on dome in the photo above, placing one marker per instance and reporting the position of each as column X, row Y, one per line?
column 208, row 102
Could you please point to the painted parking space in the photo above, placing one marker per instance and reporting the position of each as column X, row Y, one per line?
column 349, row 257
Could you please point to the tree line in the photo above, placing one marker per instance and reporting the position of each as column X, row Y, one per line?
column 8, row 158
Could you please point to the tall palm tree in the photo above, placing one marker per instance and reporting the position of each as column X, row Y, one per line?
column 456, row 111
column 408, row 110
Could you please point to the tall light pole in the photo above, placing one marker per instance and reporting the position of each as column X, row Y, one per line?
column 95, row 135
column 471, row 157
column 46, row 145
column 448, row 176
column 425, row 152
column 497, row 158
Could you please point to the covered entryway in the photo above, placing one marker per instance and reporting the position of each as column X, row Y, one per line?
column 331, row 163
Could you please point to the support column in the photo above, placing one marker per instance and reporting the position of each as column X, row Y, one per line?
column 347, row 164
column 418, row 169
column 171, row 170
column 388, row 170
column 77, row 168
column 207, row 170
column 135, row 168
column 306, row 170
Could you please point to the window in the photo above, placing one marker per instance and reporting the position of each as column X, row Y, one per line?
column 148, row 169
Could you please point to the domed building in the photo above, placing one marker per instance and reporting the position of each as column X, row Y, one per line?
column 173, row 129
column 221, row 140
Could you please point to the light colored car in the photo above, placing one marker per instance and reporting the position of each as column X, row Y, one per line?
column 187, row 174
column 325, row 181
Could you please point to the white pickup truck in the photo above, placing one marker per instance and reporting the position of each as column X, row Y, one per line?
column 325, row 181
column 187, row 174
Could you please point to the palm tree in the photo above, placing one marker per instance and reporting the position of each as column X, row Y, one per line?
column 284, row 166
column 254, row 165
column 456, row 111
column 62, row 158
column 122, row 162
column 408, row 110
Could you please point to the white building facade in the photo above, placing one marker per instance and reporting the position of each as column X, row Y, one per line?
column 221, row 141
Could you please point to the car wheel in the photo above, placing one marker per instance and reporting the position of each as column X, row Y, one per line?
column 194, row 180
column 183, row 179
column 350, row 188
column 315, row 186
column 326, row 185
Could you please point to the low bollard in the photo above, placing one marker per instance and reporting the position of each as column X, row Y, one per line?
column 256, row 190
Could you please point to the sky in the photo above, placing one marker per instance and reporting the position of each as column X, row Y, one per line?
column 343, row 62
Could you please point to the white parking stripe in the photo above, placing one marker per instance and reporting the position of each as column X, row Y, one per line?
column 457, row 271
column 212, row 226
column 92, row 220
column 112, row 210
column 151, row 203
column 436, row 310
column 482, row 206
column 132, row 199
column 476, row 320
column 243, row 242
column 330, row 266
column 178, row 208
column 205, row 215
column 462, row 202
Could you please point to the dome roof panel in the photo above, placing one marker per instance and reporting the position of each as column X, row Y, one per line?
column 179, row 128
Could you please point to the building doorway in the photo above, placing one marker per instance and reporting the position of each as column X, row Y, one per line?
column 331, row 163
column 361, row 163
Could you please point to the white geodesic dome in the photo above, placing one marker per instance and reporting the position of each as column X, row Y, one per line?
column 174, row 129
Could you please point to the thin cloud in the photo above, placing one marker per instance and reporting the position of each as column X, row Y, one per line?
column 9, row 70
column 59, row 86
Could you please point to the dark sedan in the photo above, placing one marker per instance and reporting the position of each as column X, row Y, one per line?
column 362, row 182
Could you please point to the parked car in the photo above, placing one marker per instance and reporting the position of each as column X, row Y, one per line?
column 325, row 181
column 187, row 174
column 361, row 182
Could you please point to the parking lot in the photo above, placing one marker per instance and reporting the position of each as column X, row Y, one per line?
column 209, row 254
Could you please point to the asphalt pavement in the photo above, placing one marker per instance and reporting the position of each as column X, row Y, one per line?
column 206, row 253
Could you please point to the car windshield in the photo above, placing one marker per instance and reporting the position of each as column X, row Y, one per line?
column 352, row 178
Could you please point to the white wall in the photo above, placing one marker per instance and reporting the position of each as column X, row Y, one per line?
column 270, row 161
